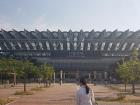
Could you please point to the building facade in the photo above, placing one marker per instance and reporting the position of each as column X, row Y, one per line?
column 93, row 54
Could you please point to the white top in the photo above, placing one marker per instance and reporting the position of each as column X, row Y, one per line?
column 82, row 98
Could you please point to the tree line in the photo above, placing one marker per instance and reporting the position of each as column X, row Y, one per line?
column 129, row 70
column 22, row 69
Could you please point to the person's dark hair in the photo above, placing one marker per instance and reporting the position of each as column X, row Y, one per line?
column 84, row 82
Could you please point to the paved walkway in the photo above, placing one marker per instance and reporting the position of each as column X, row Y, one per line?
column 9, row 91
column 64, row 95
column 56, row 95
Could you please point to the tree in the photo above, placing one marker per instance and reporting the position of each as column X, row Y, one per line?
column 50, row 73
column 134, row 55
column 25, row 67
column 47, row 73
column 12, row 66
column 134, row 69
column 8, row 67
column 124, row 73
column 134, row 66
column 129, row 71
column 2, row 69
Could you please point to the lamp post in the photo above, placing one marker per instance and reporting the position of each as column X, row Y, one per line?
column 61, row 73
column 54, row 77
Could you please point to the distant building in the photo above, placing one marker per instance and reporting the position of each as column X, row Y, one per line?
column 81, row 52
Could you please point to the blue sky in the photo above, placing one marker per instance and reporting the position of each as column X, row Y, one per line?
column 70, row 14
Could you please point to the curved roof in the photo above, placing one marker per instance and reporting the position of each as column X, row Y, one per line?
column 105, row 43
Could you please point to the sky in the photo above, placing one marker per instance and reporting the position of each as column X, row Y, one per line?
column 70, row 14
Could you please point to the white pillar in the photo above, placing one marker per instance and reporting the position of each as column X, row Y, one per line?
column 54, row 77
column 89, row 77
column 95, row 75
column 61, row 74
column 105, row 75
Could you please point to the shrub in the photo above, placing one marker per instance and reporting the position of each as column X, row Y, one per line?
column 36, row 89
column 23, row 93
column 120, row 96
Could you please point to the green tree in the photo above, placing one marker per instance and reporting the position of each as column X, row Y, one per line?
column 124, row 73
column 12, row 67
column 129, row 71
column 134, row 65
column 134, row 69
column 47, row 73
column 25, row 67
column 8, row 67
column 3, row 71
column 50, row 73
column 134, row 55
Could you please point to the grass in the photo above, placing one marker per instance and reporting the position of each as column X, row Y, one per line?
column 120, row 97
column 118, row 89
column 115, row 88
column 36, row 89
column 23, row 93
column 5, row 101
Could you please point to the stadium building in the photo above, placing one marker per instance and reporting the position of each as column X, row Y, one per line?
column 93, row 54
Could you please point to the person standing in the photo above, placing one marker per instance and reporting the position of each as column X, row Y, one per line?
column 85, row 95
